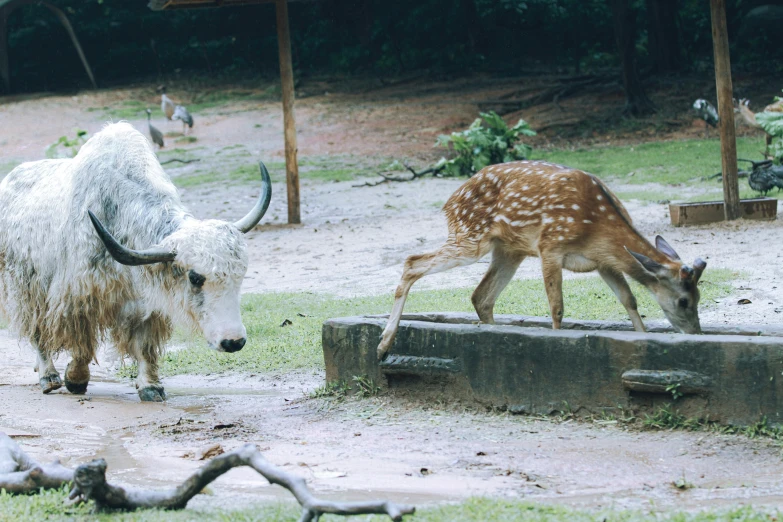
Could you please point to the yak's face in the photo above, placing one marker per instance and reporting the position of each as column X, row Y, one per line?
column 209, row 267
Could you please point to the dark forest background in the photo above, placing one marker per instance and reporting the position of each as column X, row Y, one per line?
column 125, row 41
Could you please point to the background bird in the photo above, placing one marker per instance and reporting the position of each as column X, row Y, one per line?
column 155, row 134
column 707, row 112
column 182, row 114
column 166, row 105
column 765, row 176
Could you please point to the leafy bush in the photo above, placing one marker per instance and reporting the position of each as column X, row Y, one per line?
column 487, row 141
column 66, row 147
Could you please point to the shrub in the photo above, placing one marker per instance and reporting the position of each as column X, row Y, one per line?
column 487, row 141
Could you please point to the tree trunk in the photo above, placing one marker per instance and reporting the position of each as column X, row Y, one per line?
column 636, row 101
column 663, row 35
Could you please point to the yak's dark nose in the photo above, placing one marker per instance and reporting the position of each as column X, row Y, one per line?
column 232, row 345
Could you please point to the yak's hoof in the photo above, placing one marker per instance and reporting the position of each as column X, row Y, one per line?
column 152, row 394
column 77, row 377
column 50, row 382
column 78, row 388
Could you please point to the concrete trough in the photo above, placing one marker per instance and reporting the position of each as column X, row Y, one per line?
column 732, row 375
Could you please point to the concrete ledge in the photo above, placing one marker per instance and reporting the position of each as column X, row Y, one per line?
column 733, row 375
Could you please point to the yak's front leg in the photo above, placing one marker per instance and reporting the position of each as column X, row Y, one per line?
column 48, row 377
column 77, row 375
column 143, row 340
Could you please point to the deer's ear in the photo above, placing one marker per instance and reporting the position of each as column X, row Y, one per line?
column 653, row 268
column 666, row 249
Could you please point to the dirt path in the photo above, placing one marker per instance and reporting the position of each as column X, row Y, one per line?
column 353, row 242
column 387, row 446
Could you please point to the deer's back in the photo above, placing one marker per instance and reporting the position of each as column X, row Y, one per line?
column 530, row 205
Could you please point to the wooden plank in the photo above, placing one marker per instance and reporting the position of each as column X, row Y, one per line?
column 714, row 211
column 289, row 124
column 728, row 142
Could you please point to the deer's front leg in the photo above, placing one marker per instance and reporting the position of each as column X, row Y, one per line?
column 552, row 266
column 620, row 287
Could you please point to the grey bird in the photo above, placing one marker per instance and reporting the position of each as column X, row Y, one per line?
column 707, row 112
column 155, row 134
column 182, row 114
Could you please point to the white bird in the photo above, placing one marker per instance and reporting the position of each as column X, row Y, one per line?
column 166, row 105
column 707, row 112
column 182, row 114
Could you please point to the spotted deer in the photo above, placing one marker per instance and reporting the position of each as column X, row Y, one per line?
column 569, row 219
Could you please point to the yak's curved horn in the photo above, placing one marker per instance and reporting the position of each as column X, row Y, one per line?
column 126, row 256
column 252, row 218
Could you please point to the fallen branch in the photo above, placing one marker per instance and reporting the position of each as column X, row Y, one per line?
column 90, row 483
column 172, row 160
column 386, row 179
column 21, row 474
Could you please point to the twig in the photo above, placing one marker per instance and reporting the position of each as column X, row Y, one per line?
column 21, row 474
column 90, row 483
column 386, row 179
column 172, row 160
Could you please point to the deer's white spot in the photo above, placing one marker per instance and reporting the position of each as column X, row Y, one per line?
column 546, row 219
column 602, row 208
column 467, row 194
column 560, row 238
column 599, row 197
column 575, row 206
column 502, row 218
column 570, row 219
column 586, row 221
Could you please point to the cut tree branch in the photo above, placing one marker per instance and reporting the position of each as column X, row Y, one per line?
column 386, row 179
column 172, row 160
column 21, row 474
column 90, row 483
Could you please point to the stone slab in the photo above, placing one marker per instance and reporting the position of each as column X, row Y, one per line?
column 733, row 374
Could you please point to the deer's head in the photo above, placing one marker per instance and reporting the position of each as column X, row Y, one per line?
column 674, row 285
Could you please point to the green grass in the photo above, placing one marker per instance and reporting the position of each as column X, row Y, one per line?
column 245, row 170
column 272, row 347
column 674, row 165
column 50, row 506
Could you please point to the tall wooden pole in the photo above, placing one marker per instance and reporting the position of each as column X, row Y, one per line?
column 728, row 142
column 287, row 81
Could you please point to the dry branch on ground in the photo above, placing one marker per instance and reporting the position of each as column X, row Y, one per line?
column 20, row 474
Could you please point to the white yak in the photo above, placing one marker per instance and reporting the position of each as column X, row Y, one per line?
column 102, row 245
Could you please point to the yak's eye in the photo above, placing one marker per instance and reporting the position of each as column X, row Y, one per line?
column 196, row 279
column 682, row 303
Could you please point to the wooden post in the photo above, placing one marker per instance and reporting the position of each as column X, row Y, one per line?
column 287, row 81
column 728, row 141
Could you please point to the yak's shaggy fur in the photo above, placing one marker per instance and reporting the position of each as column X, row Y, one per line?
column 60, row 288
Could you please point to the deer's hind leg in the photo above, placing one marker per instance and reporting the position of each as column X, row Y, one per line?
column 501, row 270
column 448, row 256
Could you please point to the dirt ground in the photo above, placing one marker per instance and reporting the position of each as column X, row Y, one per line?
column 353, row 241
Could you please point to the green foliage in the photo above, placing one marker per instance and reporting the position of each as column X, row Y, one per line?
column 365, row 387
column 67, row 147
column 487, row 141
column 772, row 123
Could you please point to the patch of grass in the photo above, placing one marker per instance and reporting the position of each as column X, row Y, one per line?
column 7, row 166
column 50, row 506
column 668, row 418
column 272, row 347
column 672, row 164
column 186, row 139
column 127, row 110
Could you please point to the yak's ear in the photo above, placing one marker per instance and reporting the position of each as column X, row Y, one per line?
column 666, row 249
column 653, row 268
